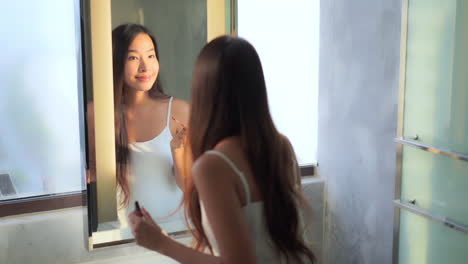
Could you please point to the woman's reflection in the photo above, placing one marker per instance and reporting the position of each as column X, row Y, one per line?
column 149, row 140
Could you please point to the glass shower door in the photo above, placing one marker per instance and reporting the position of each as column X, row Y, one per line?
column 432, row 196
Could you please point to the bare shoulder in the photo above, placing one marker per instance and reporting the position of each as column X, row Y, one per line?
column 180, row 104
column 287, row 142
column 285, row 139
column 209, row 169
column 229, row 146
column 180, row 109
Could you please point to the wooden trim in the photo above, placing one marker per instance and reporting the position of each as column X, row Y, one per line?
column 112, row 243
column 103, row 101
column 42, row 203
column 215, row 19
column 308, row 170
column 174, row 235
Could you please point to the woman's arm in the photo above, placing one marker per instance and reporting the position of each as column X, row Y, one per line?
column 215, row 182
column 178, row 156
column 187, row 255
column 180, row 110
column 149, row 235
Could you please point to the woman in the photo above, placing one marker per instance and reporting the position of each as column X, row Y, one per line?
column 243, row 196
column 148, row 140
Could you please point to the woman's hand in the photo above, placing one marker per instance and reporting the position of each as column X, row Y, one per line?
column 177, row 148
column 178, row 140
column 146, row 232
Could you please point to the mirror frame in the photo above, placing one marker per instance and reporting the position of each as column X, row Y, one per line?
column 97, row 61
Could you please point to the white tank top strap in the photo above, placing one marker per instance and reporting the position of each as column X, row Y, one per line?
column 236, row 170
column 169, row 108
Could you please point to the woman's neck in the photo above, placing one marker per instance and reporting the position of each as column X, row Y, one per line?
column 134, row 99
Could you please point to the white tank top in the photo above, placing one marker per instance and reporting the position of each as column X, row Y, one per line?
column 255, row 219
column 152, row 180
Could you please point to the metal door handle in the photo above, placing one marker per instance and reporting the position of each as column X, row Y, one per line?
column 435, row 150
column 441, row 219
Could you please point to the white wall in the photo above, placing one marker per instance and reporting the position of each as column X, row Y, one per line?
column 286, row 36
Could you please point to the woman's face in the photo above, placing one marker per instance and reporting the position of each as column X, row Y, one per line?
column 141, row 64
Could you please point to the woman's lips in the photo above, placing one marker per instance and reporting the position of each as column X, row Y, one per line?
column 143, row 78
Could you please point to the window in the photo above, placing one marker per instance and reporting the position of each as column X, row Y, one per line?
column 41, row 109
column 286, row 36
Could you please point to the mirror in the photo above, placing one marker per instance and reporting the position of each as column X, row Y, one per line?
column 180, row 30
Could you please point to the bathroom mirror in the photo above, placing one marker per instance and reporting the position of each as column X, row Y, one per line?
column 180, row 28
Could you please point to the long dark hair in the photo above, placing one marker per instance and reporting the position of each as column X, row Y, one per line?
column 122, row 37
column 229, row 98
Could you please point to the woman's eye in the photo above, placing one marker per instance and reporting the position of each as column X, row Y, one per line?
column 132, row 58
column 152, row 56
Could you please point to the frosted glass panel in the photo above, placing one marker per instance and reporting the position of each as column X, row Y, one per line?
column 436, row 73
column 427, row 242
column 288, row 45
column 435, row 109
column 437, row 183
column 40, row 143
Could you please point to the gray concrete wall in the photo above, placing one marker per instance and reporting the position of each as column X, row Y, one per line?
column 358, row 88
